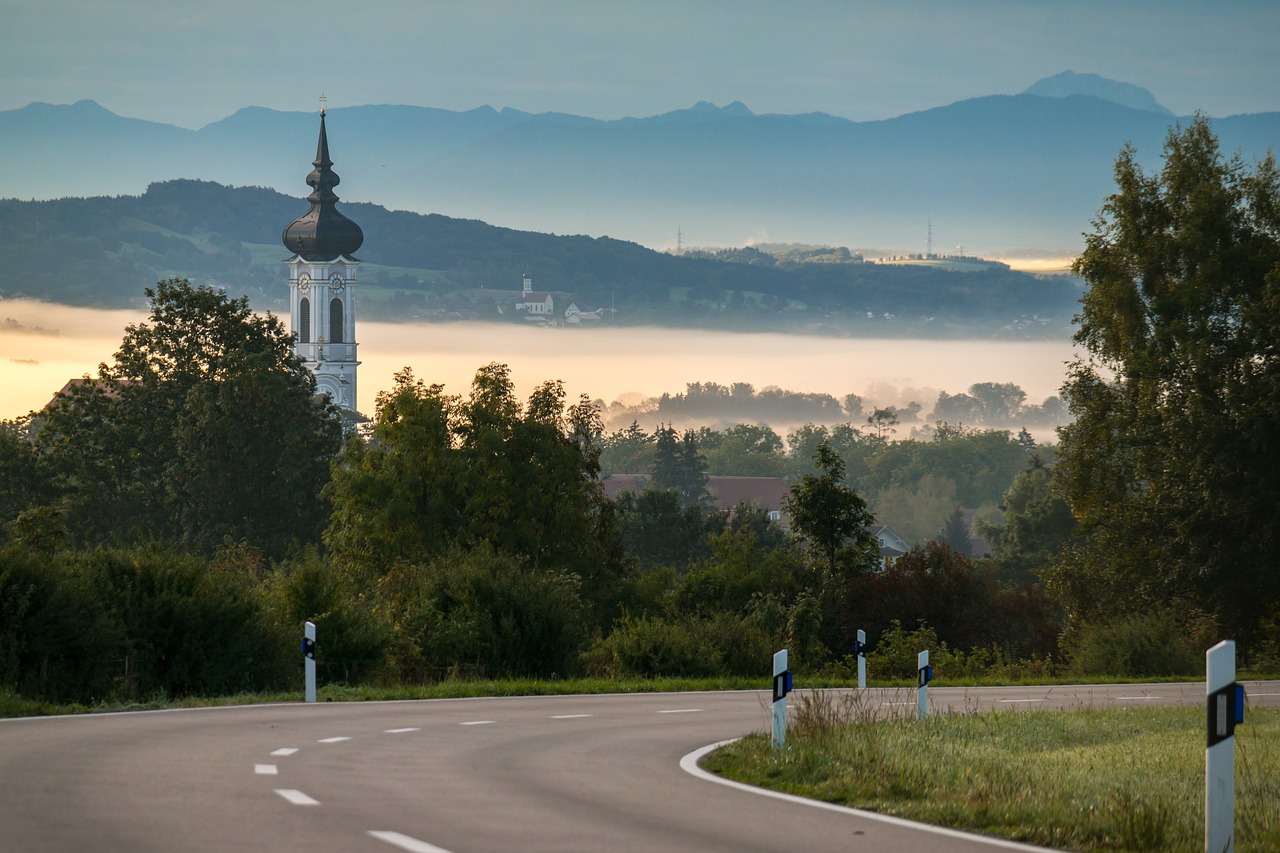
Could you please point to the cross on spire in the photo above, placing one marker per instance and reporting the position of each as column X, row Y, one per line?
column 322, row 102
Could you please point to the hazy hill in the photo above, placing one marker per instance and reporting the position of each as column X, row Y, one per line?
column 993, row 173
column 105, row 250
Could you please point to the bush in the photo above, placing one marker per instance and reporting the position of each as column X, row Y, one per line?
column 1138, row 646
column 483, row 612
column 55, row 641
column 690, row 646
column 352, row 638
column 182, row 629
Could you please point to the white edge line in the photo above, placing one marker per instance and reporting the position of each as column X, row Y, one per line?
column 1013, row 701
column 266, row 769
column 405, row 842
column 285, row 750
column 319, row 707
column 400, row 731
column 296, row 797
column 1138, row 698
column 689, row 764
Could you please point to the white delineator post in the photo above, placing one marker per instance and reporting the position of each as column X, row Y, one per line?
column 862, row 659
column 309, row 658
column 781, row 687
column 1225, row 709
column 924, row 674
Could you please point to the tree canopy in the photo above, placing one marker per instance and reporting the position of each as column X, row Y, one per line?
column 1173, row 461
column 443, row 472
column 206, row 429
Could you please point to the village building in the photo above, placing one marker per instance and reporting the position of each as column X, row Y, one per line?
column 538, row 306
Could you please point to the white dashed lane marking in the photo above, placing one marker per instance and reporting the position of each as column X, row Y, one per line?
column 404, row 842
column 296, row 797
column 266, row 769
column 332, row 739
column 683, row 711
column 476, row 723
column 570, row 716
column 400, row 731
column 285, row 750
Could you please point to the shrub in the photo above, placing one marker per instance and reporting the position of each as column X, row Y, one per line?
column 182, row 629
column 55, row 641
column 1140, row 645
column 488, row 613
column 722, row 644
column 352, row 638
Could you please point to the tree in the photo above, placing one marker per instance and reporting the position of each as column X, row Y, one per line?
column 23, row 482
column 1037, row 524
column 206, row 429
column 628, row 450
column 1173, row 461
column 678, row 464
column 1000, row 401
column 832, row 517
column 883, row 421
column 480, row 472
column 747, row 450
column 955, row 533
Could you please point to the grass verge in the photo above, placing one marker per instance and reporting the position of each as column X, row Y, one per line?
column 12, row 705
column 1091, row 779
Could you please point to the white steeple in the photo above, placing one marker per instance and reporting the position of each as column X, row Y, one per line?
column 322, row 280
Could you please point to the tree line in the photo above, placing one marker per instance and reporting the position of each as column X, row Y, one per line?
column 198, row 489
column 987, row 404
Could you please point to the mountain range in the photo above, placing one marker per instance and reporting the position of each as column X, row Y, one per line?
column 994, row 174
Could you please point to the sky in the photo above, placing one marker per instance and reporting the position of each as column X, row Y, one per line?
column 193, row 62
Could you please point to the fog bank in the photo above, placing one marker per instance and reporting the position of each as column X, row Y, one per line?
column 43, row 345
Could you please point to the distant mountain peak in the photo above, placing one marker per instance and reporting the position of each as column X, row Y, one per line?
column 1070, row 83
column 706, row 111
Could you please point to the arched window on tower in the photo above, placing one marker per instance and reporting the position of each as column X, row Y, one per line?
column 304, row 321
column 335, row 321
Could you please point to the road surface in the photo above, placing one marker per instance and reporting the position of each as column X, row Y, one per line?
column 562, row 773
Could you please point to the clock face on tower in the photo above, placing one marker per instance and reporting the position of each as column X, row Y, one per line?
column 337, row 283
column 304, row 283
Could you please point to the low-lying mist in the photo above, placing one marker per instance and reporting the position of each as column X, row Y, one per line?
column 43, row 345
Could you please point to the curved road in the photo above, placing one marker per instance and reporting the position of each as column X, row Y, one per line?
column 524, row 774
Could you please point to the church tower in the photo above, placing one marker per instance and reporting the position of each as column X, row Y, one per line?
column 322, row 279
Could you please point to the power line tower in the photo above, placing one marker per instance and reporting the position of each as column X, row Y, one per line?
column 679, row 241
column 928, row 252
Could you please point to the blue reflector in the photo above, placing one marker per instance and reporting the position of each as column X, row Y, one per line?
column 1239, row 703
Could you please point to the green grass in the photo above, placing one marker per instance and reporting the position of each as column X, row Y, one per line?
column 1090, row 779
column 12, row 705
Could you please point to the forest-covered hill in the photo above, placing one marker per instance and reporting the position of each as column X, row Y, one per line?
column 103, row 251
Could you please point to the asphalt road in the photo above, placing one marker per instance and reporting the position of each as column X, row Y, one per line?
column 565, row 773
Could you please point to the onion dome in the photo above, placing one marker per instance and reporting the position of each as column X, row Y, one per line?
column 322, row 233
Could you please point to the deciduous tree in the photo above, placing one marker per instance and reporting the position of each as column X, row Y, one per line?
column 1173, row 461
column 206, row 429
